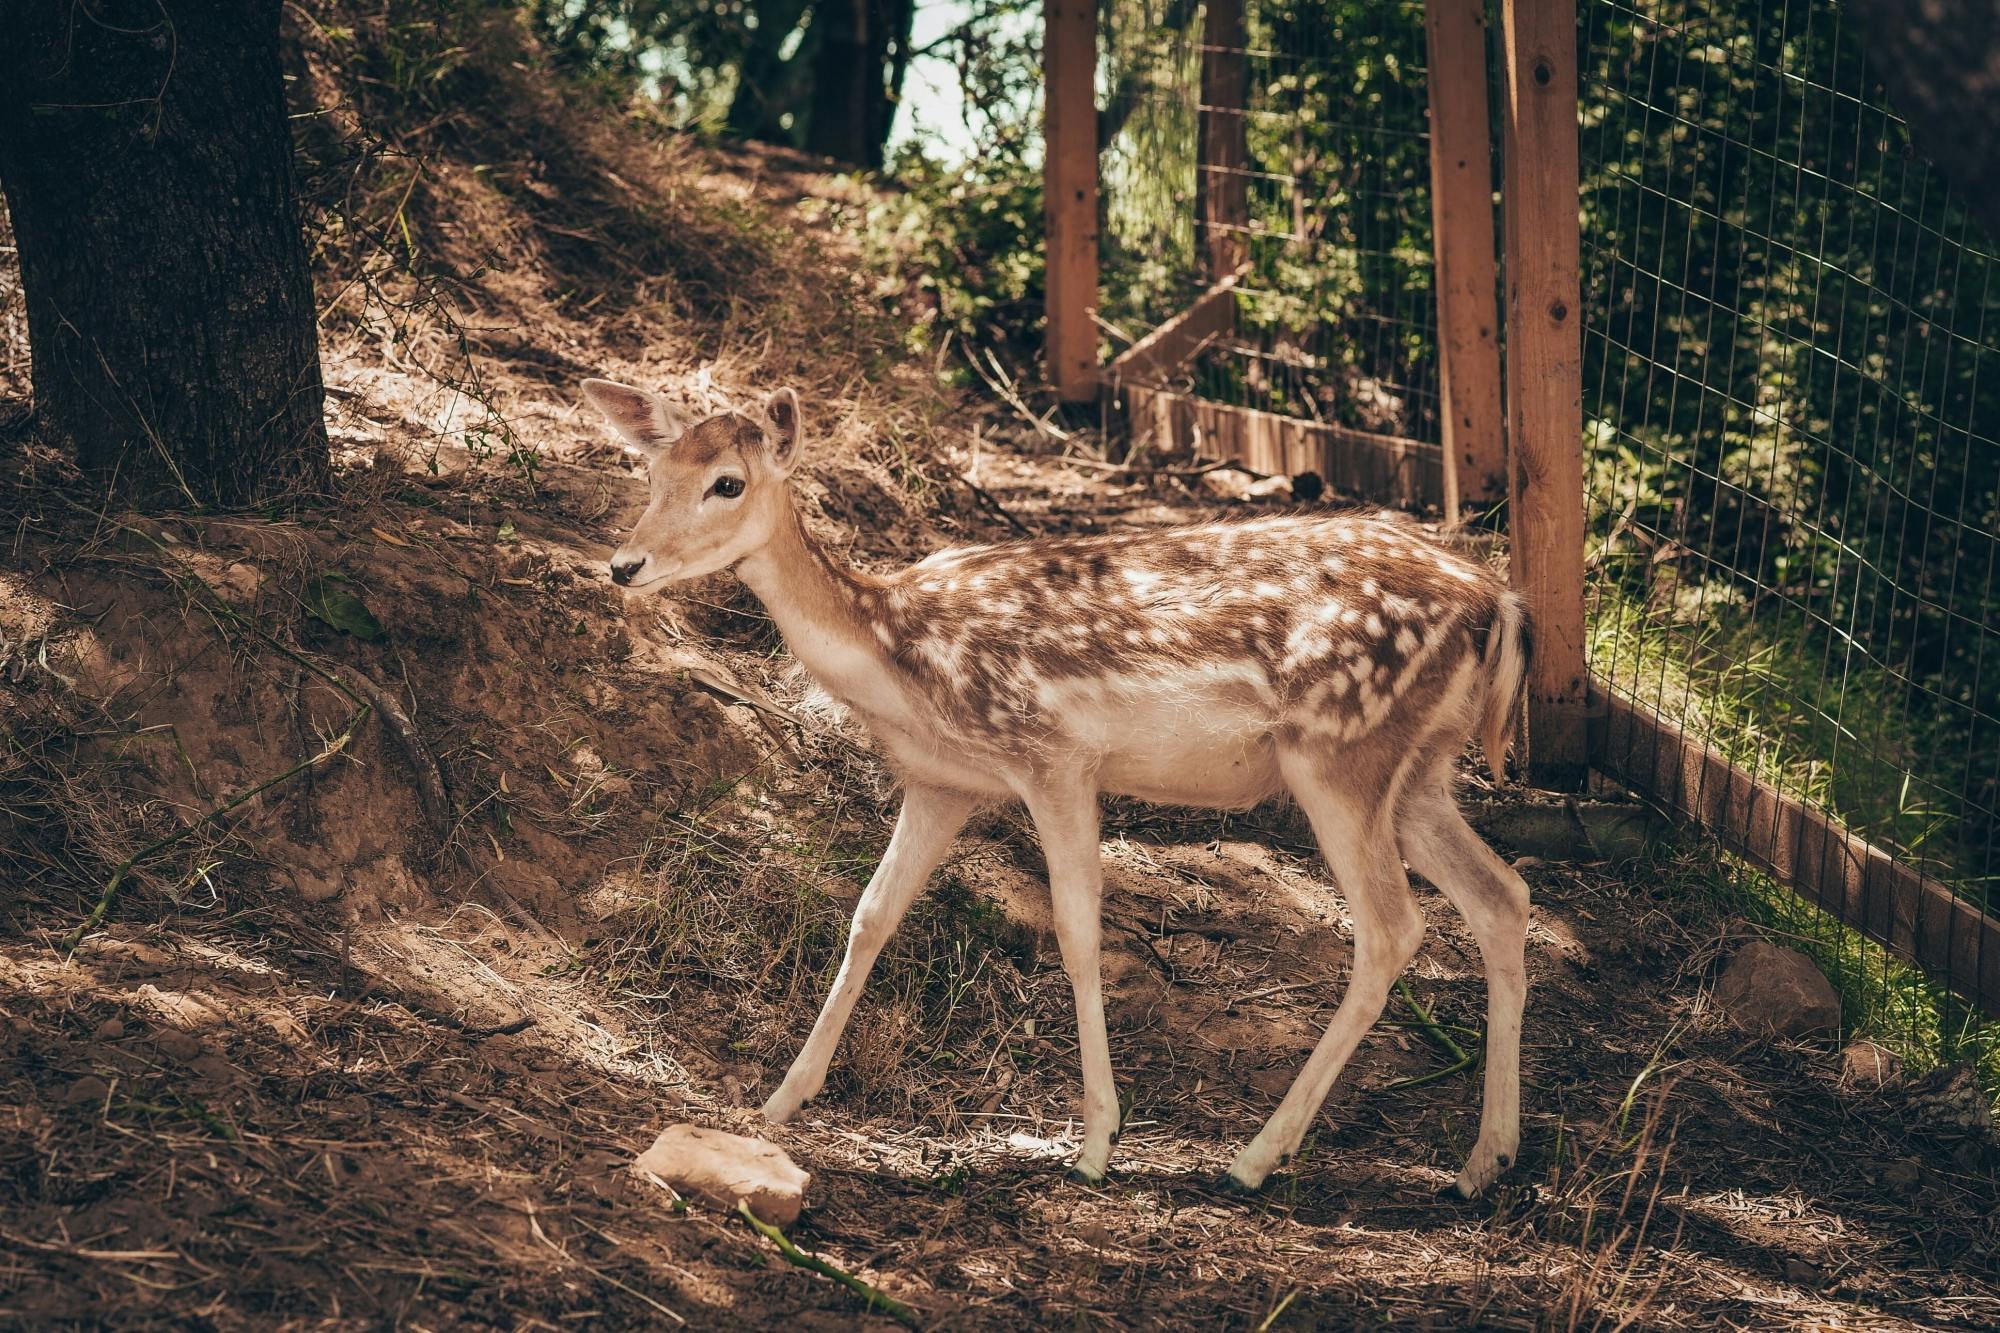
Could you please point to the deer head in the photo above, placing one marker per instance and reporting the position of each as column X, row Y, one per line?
column 717, row 485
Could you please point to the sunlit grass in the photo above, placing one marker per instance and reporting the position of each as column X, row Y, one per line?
column 1753, row 690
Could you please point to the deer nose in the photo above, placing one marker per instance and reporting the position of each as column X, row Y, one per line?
column 623, row 567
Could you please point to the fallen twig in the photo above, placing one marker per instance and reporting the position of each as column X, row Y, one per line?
column 430, row 780
column 1004, row 389
column 993, row 506
column 877, row 1298
column 1140, row 470
column 1461, row 1059
column 1282, row 1306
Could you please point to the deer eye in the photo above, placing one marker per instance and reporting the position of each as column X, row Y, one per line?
column 728, row 487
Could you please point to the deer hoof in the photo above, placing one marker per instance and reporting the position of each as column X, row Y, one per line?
column 1227, row 1183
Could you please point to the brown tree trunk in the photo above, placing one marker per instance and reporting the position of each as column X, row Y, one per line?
column 855, row 82
column 147, row 164
column 767, row 85
column 899, row 21
column 838, row 125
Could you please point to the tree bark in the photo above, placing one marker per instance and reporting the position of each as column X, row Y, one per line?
column 1940, row 61
column 900, row 21
column 853, row 102
column 766, row 83
column 838, row 125
column 147, row 164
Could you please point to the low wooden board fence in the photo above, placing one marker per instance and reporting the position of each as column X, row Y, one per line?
column 1814, row 855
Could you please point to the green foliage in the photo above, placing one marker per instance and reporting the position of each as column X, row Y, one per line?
column 684, row 55
column 1335, row 319
column 967, row 242
column 1792, row 392
column 330, row 599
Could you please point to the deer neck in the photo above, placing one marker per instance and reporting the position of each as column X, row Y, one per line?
column 817, row 602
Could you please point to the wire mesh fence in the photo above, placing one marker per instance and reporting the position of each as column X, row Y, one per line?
column 1792, row 424
column 1287, row 140
column 1791, row 408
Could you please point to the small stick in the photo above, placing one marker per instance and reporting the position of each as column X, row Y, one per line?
column 1009, row 395
column 430, row 781
column 877, row 1298
column 1283, row 1306
column 1137, row 470
column 1436, row 1032
column 991, row 505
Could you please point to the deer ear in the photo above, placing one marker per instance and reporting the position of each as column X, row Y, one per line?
column 782, row 430
column 645, row 422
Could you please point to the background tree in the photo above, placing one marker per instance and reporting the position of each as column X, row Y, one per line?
column 1940, row 61
column 823, row 75
column 147, row 163
column 857, row 77
column 769, row 83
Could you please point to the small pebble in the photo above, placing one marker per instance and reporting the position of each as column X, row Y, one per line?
column 89, row 1088
column 109, row 1030
column 1864, row 1066
column 176, row 1045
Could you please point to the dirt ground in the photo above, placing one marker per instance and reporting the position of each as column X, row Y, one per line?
column 378, row 1048
column 322, row 1076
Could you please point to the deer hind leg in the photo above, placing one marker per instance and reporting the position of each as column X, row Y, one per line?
column 1067, row 820
column 1493, row 899
column 929, row 821
column 1355, row 836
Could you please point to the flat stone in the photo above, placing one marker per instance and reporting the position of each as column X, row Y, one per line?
column 1777, row 992
column 724, row 1168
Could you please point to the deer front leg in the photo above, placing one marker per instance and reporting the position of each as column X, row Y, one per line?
column 1067, row 821
column 930, row 820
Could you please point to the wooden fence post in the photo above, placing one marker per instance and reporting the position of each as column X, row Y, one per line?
column 1221, row 189
column 1545, row 373
column 1475, row 454
column 1069, row 194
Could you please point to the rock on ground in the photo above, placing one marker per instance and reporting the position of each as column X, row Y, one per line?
column 1865, row 1067
column 1777, row 992
column 723, row 1168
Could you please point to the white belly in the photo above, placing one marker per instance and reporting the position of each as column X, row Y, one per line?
column 1200, row 738
column 1217, row 779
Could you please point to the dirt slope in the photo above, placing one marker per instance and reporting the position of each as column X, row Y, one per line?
column 377, row 1048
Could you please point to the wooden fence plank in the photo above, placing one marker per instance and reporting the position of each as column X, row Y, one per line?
column 1812, row 853
column 1384, row 469
column 1069, row 191
column 1156, row 357
column 1462, row 244
column 1545, row 373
